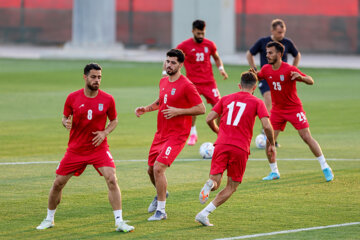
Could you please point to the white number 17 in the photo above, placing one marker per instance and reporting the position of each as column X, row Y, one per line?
column 239, row 114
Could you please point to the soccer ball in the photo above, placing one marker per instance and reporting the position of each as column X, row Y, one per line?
column 260, row 141
column 206, row 150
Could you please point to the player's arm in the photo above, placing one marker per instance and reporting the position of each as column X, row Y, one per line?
column 152, row 107
column 101, row 135
column 171, row 112
column 269, row 132
column 67, row 121
column 164, row 74
column 251, row 60
column 220, row 65
column 306, row 79
column 297, row 59
column 211, row 121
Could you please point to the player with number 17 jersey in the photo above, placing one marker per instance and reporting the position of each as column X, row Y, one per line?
column 238, row 112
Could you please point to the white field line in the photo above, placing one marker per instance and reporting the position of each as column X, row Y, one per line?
column 190, row 160
column 289, row 231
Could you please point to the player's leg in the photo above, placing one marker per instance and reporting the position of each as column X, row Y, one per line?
column 193, row 133
column 55, row 195
column 274, row 174
column 220, row 198
column 114, row 196
column 316, row 150
column 212, row 184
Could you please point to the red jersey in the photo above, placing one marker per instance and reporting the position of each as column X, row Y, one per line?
column 238, row 112
column 89, row 115
column 197, row 60
column 180, row 94
column 283, row 89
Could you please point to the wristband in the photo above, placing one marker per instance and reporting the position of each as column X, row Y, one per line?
column 164, row 72
column 221, row 68
column 255, row 68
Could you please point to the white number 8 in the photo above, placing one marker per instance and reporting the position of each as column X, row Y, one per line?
column 89, row 116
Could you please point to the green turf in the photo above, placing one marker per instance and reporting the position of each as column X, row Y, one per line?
column 32, row 95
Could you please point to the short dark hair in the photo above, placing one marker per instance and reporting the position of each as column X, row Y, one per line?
column 278, row 46
column 90, row 67
column 176, row 53
column 248, row 79
column 199, row 24
column 277, row 22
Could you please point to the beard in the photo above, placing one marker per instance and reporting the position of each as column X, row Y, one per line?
column 93, row 87
column 272, row 61
column 198, row 40
column 171, row 72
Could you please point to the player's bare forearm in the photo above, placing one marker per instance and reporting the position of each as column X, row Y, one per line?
column 210, row 120
column 111, row 126
column 250, row 59
column 268, row 130
column 171, row 112
column 67, row 122
column 220, row 65
column 297, row 60
column 308, row 80
column 152, row 107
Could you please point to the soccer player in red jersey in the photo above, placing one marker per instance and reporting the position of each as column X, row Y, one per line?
column 232, row 147
column 178, row 101
column 85, row 115
column 286, row 105
column 198, row 52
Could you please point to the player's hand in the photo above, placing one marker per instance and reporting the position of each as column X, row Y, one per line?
column 140, row 111
column 295, row 75
column 99, row 138
column 171, row 112
column 224, row 74
column 68, row 122
column 253, row 70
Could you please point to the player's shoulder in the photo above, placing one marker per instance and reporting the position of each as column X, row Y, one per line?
column 287, row 41
column 76, row 93
column 186, row 42
column 105, row 95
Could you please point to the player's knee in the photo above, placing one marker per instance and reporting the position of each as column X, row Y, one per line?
column 150, row 171
column 58, row 185
column 111, row 180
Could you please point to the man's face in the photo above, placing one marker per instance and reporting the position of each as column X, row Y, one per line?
column 93, row 79
column 271, row 55
column 172, row 65
column 198, row 35
column 278, row 33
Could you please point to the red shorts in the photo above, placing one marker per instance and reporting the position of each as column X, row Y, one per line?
column 230, row 158
column 209, row 91
column 164, row 151
column 76, row 163
column 296, row 117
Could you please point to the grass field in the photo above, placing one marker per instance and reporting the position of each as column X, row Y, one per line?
column 32, row 95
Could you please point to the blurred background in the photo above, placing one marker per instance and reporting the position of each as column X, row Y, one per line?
column 316, row 26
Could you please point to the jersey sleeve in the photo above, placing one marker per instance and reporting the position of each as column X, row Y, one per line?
column 218, row 108
column 213, row 48
column 256, row 47
column 181, row 46
column 292, row 49
column 261, row 109
column 112, row 114
column 261, row 75
column 192, row 95
column 67, row 107
column 295, row 69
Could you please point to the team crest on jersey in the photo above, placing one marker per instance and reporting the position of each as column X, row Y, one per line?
column 101, row 106
column 282, row 77
column 173, row 91
column 206, row 49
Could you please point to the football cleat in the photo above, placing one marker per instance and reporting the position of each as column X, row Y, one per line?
column 158, row 215
column 205, row 191
column 328, row 173
column 45, row 224
column 122, row 226
column 192, row 140
column 153, row 205
column 272, row 176
column 203, row 220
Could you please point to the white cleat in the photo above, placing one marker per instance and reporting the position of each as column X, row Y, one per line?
column 123, row 227
column 203, row 220
column 45, row 224
column 205, row 191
